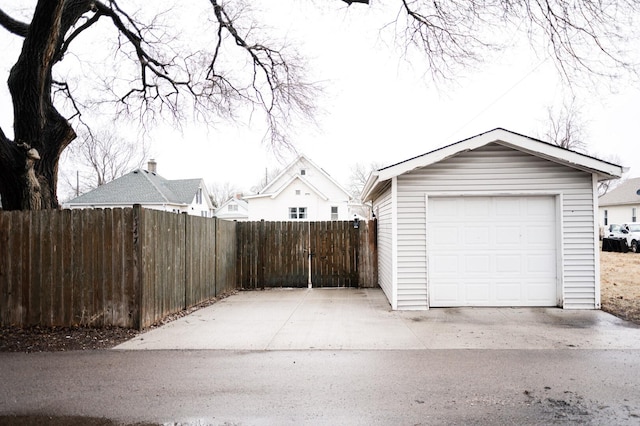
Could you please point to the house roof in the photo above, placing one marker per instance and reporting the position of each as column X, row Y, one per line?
column 233, row 200
column 603, row 169
column 627, row 192
column 293, row 164
column 141, row 187
column 272, row 190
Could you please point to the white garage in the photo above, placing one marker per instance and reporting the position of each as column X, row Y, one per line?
column 499, row 219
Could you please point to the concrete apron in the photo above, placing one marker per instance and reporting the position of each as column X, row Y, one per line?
column 361, row 319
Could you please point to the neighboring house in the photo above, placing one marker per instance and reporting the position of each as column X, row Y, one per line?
column 621, row 204
column 303, row 191
column 152, row 191
column 234, row 208
column 499, row 219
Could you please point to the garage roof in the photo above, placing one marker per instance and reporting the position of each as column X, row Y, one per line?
column 603, row 169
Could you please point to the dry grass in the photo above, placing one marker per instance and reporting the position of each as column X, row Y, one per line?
column 620, row 284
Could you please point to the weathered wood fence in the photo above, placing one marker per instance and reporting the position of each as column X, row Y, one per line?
column 123, row 267
column 132, row 267
column 292, row 254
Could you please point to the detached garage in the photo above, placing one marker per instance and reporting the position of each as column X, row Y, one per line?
column 499, row 219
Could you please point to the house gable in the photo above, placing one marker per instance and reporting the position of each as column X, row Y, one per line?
column 302, row 185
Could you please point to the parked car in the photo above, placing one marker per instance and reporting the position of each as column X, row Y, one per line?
column 613, row 231
column 631, row 233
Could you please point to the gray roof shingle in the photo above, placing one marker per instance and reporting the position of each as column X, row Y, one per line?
column 627, row 192
column 141, row 187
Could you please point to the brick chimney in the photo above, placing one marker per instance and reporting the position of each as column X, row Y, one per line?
column 152, row 165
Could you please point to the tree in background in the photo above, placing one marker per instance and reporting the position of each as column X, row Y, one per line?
column 221, row 192
column 98, row 158
column 269, row 175
column 220, row 61
column 567, row 129
column 360, row 173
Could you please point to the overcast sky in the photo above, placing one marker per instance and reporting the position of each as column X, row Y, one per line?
column 379, row 108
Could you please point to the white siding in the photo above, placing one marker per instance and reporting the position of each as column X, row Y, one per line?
column 384, row 215
column 495, row 169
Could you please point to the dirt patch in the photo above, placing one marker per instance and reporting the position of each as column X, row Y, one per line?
column 57, row 339
column 620, row 284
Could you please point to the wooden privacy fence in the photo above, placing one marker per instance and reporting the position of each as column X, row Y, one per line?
column 122, row 267
column 292, row 254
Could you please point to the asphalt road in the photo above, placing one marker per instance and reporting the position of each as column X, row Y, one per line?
column 399, row 387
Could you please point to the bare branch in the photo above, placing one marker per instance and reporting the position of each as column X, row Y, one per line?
column 12, row 25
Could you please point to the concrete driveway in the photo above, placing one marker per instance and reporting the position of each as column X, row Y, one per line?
column 361, row 319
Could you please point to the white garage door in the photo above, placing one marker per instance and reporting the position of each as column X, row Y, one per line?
column 492, row 251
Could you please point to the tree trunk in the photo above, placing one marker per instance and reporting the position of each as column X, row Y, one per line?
column 29, row 164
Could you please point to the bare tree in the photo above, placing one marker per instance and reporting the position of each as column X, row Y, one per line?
column 221, row 192
column 269, row 175
column 152, row 72
column 565, row 127
column 359, row 175
column 98, row 158
column 151, row 75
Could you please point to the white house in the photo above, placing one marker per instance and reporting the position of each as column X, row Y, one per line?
column 235, row 208
column 621, row 204
column 303, row 191
column 499, row 219
column 152, row 191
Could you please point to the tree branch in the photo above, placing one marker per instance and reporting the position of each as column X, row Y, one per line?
column 12, row 25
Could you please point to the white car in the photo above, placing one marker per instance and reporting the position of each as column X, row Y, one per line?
column 631, row 233
column 613, row 231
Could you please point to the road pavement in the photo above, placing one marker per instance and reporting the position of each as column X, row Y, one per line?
column 286, row 376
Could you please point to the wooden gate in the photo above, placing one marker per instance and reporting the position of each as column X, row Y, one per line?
column 299, row 254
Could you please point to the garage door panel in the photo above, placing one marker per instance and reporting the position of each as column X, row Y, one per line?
column 444, row 236
column 477, row 264
column 444, row 265
column 477, row 235
column 477, row 292
column 504, row 255
column 508, row 263
column 478, row 207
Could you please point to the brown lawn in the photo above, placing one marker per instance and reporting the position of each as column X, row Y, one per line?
column 620, row 282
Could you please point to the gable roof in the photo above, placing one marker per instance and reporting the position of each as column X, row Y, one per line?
column 233, row 200
column 273, row 190
column 293, row 164
column 141, row 187
column 603, row 169
column 627, row 192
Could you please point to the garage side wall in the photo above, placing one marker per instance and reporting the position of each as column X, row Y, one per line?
column 384, row 215
column 496, row 169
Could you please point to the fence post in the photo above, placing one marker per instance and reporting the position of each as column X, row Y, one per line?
column 138, row 273
column 261, row 253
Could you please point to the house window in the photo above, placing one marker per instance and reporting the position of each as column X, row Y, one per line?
column 606, row 217
column 303, row 172
column 633, row 214
column 204, row 214
column 232, row 207
column 297, row 212
column 334, row 212
column 297, row 192
column 199, row 196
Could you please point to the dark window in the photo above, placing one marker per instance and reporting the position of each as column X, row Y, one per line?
column 334, row 213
